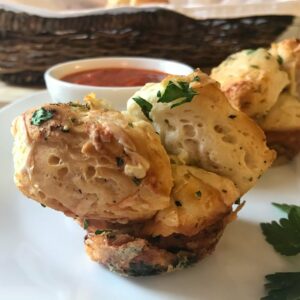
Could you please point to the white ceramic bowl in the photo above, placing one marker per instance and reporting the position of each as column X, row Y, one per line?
column 62, row 91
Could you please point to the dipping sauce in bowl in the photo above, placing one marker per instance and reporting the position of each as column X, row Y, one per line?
column 115, row 77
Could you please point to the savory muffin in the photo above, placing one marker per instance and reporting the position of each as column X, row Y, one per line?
column 252, row 80
column 200, row 128
column 265, row 84
column 153, row 186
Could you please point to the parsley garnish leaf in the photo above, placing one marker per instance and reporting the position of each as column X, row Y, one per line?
column 283, row 286
column 284, row 207
column 144, row 105
column 284, row 235
column 176, row 91
column 40, row 116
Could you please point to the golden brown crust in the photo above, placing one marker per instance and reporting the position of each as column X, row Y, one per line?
column 143, row 256
column 102, row 166
column 198, row 199
column 288, row 54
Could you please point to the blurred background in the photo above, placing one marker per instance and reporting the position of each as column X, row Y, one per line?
column 34, row 35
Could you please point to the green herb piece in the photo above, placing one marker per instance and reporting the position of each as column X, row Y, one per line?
column 120, row 161
column 283, row 286
column 254, row 66
column 98, row 231
column 237, row 201
column 158, row 94
column 196, row 78
column 79, row 105
column 284, row 207
column 144, row 105
column 85, row 224
column 285, row 235
column 130, row 124
column 279, row 59
column 198, row 194
column 178, row 203
column 40, row 116
column 43, row 205
column 250, row 51
column 136, row 181
column 177, row 91
column 267, row 57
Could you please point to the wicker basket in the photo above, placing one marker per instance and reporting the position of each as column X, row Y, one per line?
column 30, row 44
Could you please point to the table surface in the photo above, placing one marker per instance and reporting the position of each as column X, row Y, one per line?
column 10, row 93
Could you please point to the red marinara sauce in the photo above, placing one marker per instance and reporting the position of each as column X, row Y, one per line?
column 115, row 77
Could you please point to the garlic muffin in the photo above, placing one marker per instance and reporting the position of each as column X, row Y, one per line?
column 90, row 162
column 155, row 186
column 199, row 127
column 287, row 53
column 252, row 80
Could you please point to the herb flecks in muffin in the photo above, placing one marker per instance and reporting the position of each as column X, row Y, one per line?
column 136, row 181
column 120, row 161
column 85, row 224
column 40, row 116
column 178, row 203
column 198, row 194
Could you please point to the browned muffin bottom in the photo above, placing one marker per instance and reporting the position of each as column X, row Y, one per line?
column 123, row 250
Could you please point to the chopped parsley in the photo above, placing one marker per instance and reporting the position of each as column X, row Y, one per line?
column 284, row 235
column 144, row 105
column 254, row 66
column 283, row 286
column 120, row 161
column 196, row 78
column 79, row 105
column 279, row 59
column 136, row 181
column 178, row 203
column 40, row 116
column 43, row 205
column 85, row 224
column 284, row 207
column 250, row 51
column 98, row 231
column 177, row 91
column 237, row 201
column 198, row 194
column 130, row 124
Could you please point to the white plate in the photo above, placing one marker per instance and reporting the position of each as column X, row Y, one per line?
column 42, row 255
